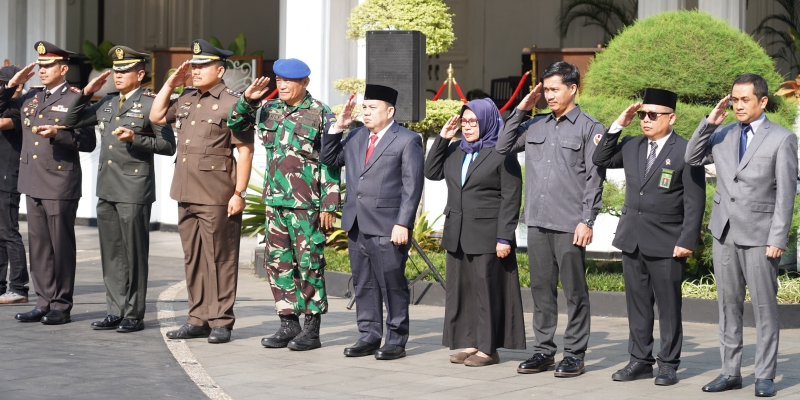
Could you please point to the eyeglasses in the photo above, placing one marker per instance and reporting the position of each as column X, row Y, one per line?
column 650, row 114
column 470, row 121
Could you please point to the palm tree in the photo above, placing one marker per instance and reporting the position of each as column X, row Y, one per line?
column 609, row 15
column 788, row 50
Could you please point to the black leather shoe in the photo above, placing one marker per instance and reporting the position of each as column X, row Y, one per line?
column 666, row 376
column 537, row 363
column 361, row 349
column 55, row 317
column 308, row 339
column 109, row 322
column 390, row 352
column 34, row 315
column 290, row 328
column 130, row 325
column 765, row 388
column 633, row 371
column 219, row 334
column 723, row 383
column 569, row 367
column 189, row 331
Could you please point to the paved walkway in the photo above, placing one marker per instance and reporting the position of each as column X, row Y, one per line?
column 74, row 362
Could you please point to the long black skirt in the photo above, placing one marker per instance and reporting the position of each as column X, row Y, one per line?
column 483, row 307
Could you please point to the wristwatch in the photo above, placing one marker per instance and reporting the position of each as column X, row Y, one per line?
column 242, row 193
column 588, row 222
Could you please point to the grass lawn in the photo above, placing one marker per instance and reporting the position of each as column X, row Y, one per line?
column 600, row 275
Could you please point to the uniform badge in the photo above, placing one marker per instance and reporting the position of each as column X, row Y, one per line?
column 27, row 122
column 667, row 162
column 215, row 107
column 101, row 126
column 178, row 124
column 119, row 53
column 196, row 48
column 40, row 48
column 59, row 108
column 597, row 138
column 666, row 178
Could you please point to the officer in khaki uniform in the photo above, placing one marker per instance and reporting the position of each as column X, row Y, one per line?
column 209, row 185
column 126, row 183
column 50, row 177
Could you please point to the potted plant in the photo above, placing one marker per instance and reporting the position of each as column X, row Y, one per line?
column 101, row 62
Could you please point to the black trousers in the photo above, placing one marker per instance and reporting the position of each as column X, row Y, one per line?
column 124, row 248
column 650, row 281
column 12, row 251
column 550, row 254
column 51, row 237
column 378, row 278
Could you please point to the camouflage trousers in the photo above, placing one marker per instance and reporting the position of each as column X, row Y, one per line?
column 295, row 261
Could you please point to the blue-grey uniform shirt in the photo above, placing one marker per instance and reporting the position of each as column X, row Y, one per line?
column 562, row 184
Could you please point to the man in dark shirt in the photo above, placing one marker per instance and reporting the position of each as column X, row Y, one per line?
column 563, row 190
column 12, row 251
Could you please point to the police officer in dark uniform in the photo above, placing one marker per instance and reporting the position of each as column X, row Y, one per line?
column 126, row 183
column 50, row 177
column 12, row 251
column 209, row 185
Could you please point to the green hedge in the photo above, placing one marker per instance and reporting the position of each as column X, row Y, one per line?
column 689, row 52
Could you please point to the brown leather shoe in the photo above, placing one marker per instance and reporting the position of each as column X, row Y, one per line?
column 478, row 361
column 459, row 357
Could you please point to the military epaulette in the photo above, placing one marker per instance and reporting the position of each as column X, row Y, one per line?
column 75, row 90
column 234, row 93
column 150, row 94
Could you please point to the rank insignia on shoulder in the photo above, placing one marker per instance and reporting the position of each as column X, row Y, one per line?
column 234, row 93
column 597, row 138
column 75, row 90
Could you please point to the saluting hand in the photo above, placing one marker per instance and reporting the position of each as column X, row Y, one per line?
column 530, row 100
column 450, row 127
column 124, row 134
column 97, row 83
column 257, row 90
column 718, row 114
column 180, row 76
column 22, row 76
column 627, row 116
column 345, row 118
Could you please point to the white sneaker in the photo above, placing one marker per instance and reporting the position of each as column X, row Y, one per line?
column 11, row 298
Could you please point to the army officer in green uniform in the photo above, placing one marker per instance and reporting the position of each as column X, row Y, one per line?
column 126, row 184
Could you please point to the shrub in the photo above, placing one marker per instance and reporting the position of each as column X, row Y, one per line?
column 430, row 17
column 688, row 52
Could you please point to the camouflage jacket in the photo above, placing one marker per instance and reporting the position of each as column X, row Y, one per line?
column 292, row 136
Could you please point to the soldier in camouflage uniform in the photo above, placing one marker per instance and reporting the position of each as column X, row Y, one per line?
column 301, row 195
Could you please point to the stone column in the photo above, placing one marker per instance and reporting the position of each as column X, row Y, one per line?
column 652, row 7
column 13, row 25
column 732, row 11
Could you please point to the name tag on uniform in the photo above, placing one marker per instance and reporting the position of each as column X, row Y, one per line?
column 134, row 115
column 108, row 110
column 59, row 108
column 666, row 178
column 275, row 115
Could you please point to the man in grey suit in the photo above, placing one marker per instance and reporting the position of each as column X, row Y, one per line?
column 756, row 162
column 126, row 183
column 385, row 177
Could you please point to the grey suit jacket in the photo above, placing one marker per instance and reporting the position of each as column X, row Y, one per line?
column 386, row 191
column 755, row 196
column 125, row 172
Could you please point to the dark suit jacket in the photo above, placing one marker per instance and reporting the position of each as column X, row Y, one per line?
column 655, row 219
column 386, row 191
column 49, row 168
column 10, row 146
column 125, row 172
column 487, row 206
